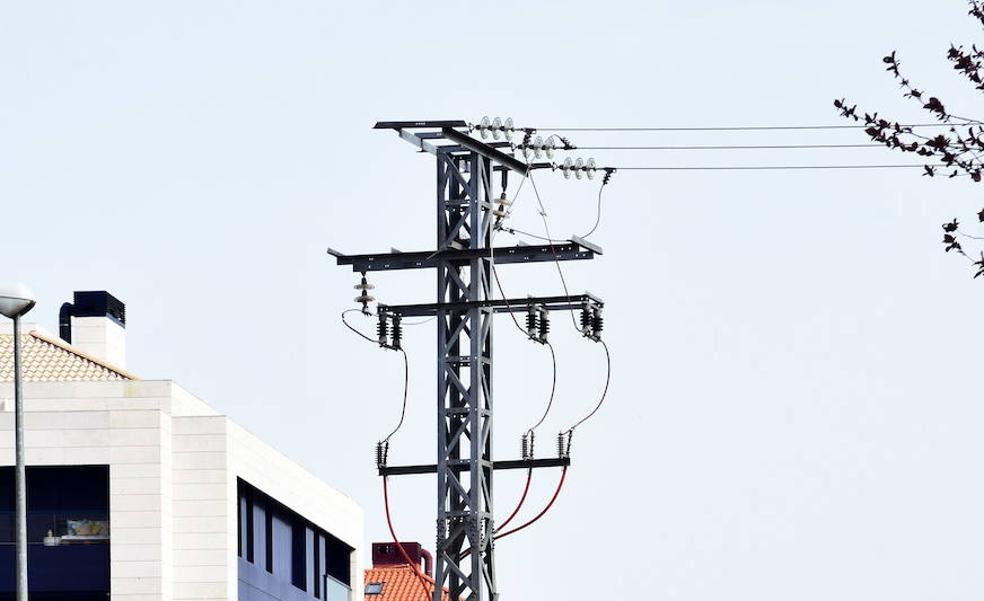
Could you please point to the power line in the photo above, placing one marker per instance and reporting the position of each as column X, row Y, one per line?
column 353, row 328
column 597, row 222
column 743, row 127
column 406, row 375
column 768, row 167
column 406, row 390
column 737, row 147
column 604, row 392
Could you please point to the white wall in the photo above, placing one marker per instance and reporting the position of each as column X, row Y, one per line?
column 174, row 464
column 119, row 424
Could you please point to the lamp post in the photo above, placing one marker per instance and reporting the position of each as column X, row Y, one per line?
column 15, row 301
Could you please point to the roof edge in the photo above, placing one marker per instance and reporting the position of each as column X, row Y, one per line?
column 67, row 347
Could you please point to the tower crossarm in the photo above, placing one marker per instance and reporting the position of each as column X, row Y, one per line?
column 559, row 250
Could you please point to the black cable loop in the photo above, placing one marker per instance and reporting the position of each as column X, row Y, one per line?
column 349, row 326
column 553, row 390
column 598, row 217
column 406, row 388
column 604, row 393
column 406, row 385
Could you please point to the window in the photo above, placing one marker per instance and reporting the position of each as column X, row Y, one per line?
column 268, row 530
column 337, row 559
column 298, row 543
column 374, row 588
column 316, row 567
column 68, row 533
column 277, row 541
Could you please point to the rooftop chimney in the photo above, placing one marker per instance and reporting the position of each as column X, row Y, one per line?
column 95, row 323
column 388, row 554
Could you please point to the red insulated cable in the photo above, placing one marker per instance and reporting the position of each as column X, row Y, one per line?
column 406, row 557
column 560, row 485
column 526, row 490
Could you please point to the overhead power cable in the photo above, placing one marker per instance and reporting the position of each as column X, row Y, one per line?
column 406, row 374
column 743, row 127
column 534, row 519
column 353, row 328
column 546, row 229
column 421, row 577
column 406, row 389
column 522, row 499
column 737, row 147
column 530, row 522
column 769, row 167
column 553, row 390
column 598, row 217
column 604, row 392
column 608, row 356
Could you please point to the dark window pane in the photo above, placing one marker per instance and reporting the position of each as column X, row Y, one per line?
column 268, row 529
column 337, row 555
column 298, row 568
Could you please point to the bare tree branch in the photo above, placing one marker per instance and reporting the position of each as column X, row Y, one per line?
column 960, row 150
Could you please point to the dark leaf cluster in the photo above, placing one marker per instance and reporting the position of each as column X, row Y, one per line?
column 959, row 151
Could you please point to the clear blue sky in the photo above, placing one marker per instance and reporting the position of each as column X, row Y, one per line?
column 794, row 412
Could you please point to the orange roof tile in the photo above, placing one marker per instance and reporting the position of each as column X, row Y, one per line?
column 399, row 584
column 48, row 359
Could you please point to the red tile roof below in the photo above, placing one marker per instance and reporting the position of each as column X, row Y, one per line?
column 399, row 584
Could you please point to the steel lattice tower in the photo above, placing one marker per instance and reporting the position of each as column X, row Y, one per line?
column 465, row 309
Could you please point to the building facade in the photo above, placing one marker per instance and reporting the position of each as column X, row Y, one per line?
column 139, row 491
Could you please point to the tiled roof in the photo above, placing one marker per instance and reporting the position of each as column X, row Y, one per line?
column 399, row 584
column 50, row 360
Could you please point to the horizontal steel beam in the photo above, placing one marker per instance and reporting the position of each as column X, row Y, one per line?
column 500, row 305
column 505, row 255
column 486, row 151
column 518, row 464
column 419, row 124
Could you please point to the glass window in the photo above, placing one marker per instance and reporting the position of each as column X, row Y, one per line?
column 276, row 540
column 298, row 555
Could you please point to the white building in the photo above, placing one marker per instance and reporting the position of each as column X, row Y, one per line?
column 139, row 490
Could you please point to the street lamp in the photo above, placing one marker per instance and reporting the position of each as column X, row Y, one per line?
column 15, row 301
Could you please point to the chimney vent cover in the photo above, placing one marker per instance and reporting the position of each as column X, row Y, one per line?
column 99, row 304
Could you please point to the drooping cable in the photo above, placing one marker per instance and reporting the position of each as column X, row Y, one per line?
column 604, row 392
column 353, row 328
column 553, row 360
column 553, row 390
column 560, row 485
column 512, row 315
column 421, row 577
column 553, row 355
column 420, row 322
column 383, row 447
column 406, row 389
column 518, row 232
column 608, row 356
column 522, row 499
column 598, row 217
column 534, row 519
column 495, row 274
